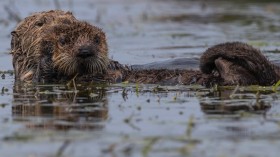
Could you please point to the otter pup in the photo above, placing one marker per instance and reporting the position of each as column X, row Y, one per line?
column 54, row 46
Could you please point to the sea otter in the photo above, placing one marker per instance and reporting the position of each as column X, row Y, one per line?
column 54, row 46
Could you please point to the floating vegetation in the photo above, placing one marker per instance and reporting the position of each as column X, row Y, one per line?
column 10, row 72
column 18, row 137
column 148, row 146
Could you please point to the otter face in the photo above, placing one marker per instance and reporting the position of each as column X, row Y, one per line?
column 27, row 38
column 79, row 48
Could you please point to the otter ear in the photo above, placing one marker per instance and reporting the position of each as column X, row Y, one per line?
column 40, row 22
column 14, row 33
column 14, row 40
column 69, row 12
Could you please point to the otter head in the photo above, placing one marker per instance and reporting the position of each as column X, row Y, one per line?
column 75, row 49
column 26, row 38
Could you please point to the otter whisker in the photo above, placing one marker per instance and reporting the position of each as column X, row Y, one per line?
column 91, row 67
column 102, row 62
column 71, row 67
column 98, row 66
column 66, row 64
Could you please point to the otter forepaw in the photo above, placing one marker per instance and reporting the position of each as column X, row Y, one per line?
column 238, row 63
column 233, row 73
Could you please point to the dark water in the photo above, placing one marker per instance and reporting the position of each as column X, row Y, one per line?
column 146, row 120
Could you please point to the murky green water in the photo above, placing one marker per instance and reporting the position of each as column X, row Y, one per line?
column 146, row 120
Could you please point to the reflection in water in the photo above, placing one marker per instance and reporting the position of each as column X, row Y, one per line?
column 228, row 101
column 235, row 112
column 59, row 107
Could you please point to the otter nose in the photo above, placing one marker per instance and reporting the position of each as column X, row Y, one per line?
column 85, row 52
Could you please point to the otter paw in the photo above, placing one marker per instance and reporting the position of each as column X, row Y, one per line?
column 238, row 63
column 233, row 73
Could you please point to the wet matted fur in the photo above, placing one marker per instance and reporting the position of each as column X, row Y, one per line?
column 52, row 46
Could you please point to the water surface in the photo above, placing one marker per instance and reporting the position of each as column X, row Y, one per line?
column 146, row 120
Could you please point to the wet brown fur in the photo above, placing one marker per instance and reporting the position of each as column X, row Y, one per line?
column 45, row 47
column 239, row 63
column 228, row 63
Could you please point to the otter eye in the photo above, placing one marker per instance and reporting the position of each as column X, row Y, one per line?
column 39, row 23
column 97, row 39
column 63, row 40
